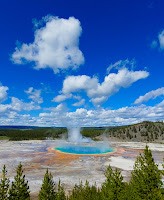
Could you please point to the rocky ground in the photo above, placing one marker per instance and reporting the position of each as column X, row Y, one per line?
column 37, row 156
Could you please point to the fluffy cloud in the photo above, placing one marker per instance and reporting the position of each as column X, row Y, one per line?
column 13, row 118
column 76, row 83
column 60, row 116
column 59, row 108
column 17, row 105
column 80, row 103
column 104, row 117
column 150, row 95
column 4, row 108
column 99, row 100
column 100, row 92
column 161, row 39
column 3, row 93
column 61, row 97
column 56, row 45
column 34, row 95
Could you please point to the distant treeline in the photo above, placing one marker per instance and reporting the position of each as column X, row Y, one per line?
column 145, row 184
column 32, row 134
column 36, row 133
column 145, row 131
column 93, row 132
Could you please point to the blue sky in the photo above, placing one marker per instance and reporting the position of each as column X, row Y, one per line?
column 96, row 63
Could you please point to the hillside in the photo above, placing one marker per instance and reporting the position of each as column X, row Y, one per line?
column 142, row 132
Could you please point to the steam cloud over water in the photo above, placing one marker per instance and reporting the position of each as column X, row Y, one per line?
column 75, row 136
column 77, row 144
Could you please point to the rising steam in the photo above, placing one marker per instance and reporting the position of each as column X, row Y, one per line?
column 75, row 136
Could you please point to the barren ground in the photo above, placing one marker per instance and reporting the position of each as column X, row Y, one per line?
column 37, row 156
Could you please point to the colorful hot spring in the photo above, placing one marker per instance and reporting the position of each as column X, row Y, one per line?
column 75, row 149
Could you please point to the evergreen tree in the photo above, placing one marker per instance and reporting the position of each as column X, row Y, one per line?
column 4, row 185
column 146, row 177
column 76, row 192
column 19, row 189
column 114, row 187
column 47, row 191
column 61, row 192
column 91, row 192
column 85, row 192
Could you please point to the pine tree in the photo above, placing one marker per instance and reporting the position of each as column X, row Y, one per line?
column 61, row 192
column 19, row 189
column 146, row 177
column 47, row 191
column 85, row 192
column 114, row 187
column 4, row 185
column 90, row 192
column 76, row 192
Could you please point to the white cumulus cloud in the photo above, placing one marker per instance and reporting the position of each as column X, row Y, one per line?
column 59, row 108
column 161, row 39
column 56, row 45
column 60, row 116
column 100, row 92
column 150, row 95
column 159, row 42
column 3, row 93
column 35, row 95
column 80, row 82
column 61, row 97
column 80, row 103
column 19, row 105
column 103, row 117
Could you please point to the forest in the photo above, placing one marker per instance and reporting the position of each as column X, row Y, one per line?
column 146, row 183
column 142, row 132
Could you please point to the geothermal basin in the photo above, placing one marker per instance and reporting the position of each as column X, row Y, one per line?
column 71, row 168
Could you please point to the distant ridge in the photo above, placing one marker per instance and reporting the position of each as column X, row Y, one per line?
column 19, row 127
column 145, row 131
column 14, row 127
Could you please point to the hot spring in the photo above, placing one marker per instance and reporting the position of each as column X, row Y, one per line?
column 77, row 144
column 84, row 150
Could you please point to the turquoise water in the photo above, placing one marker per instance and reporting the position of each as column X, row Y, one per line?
column 84, row 149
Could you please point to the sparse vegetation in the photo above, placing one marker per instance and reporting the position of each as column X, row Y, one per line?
column 145, row 184
column 141, row 132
